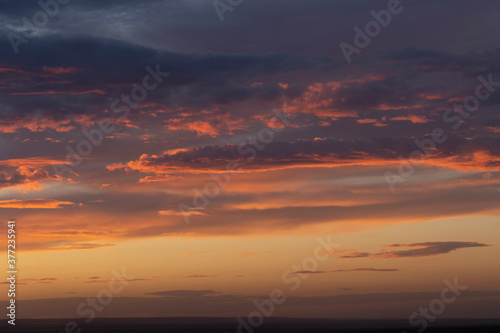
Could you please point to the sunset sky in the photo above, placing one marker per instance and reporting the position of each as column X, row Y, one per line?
column 224, row 152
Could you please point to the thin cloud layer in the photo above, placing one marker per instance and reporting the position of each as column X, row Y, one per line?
column 349, row 270
column 423, row 250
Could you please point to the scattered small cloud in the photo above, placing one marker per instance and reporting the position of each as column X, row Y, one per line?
column 355, row 255
column 96, row 279
column 183, row 293
column 81, row 246
column 26, row 281
column 348, row 270
column 366, row 270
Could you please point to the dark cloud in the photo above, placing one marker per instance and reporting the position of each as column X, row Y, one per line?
column 326, row 152
column 194, row 26
column 39, row 280
column 423, row 249
column 183, row 293
column 427, row 249
column 309, row 272
column 349, row 270
column 356, row 255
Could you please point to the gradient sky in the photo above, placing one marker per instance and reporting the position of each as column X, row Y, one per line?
column 323, row 173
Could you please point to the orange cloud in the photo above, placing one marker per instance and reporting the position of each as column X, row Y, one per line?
column 177, row 213
column 36, row 125
column 413, row 118
column 34, row 203
column 494, row 129
column 200, row 127
column 60, row 70
column 376, row 122
column 36, row 161
column 29, row 178
column 432, row 96
column 215, row 124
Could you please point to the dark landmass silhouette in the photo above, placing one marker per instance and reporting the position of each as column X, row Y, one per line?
column 230, row 325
